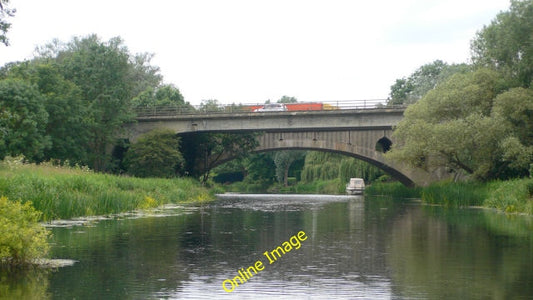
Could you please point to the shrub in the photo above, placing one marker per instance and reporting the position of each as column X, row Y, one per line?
column 512, row 196
column 22, row 238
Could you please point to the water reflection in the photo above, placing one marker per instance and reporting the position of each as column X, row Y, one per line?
column 461, row 254
column 373, row 248
column 24, row 284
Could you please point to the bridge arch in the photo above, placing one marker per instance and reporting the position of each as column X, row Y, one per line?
column 347, row 143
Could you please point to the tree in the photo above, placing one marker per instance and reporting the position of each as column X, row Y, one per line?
column 5, row 13
column 165, row 95
column 283, row 161
column 109, row 78
column 204, row 151
column 260, row 167
column 427, row 77
column 514, row 109
column 155, row 154
column 66, row 125
column 23, row 120
column 452, row 127
column 287, row 99
column 505, row 44
column 211, row 105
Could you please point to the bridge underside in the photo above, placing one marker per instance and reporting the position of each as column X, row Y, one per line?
column 367, row 145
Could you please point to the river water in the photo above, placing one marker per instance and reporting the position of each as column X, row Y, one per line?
column 341, row 248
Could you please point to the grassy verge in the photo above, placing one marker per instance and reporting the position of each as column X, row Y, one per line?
column 64, row 193
column 514, row 196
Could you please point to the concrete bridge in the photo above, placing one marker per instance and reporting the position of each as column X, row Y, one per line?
column 361, row 133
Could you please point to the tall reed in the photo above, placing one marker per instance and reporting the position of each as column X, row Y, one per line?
column 62, row 193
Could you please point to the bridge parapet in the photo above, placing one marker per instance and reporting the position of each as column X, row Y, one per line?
column 162, row 111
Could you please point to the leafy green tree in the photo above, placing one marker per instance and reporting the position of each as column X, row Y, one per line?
column 427, row 77
column 452, row 126
column 505, row 44
column 283, row 161
column 329, row 166
column 143, row 74
column 321, row 166
column 211, row 105
column 155, row 154
column 5, row 13
column 514, row 109
column 260, row 167
column 204, row 151
column 287, row 99
column 66, row 113
column 167, row 96
column 23, row 120
column 108, row 77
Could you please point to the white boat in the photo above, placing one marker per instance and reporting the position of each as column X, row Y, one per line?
column 356, row 186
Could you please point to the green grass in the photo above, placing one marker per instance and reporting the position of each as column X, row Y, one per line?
column 456, row 194
column 511, row 196
column 395, row 189
column 63, row 193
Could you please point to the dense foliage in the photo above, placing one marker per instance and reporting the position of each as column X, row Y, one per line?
column 327, row 166
column 23, row 238
column 155, row 154
column 413, row 88
column 506, row 44
column 77, row 96
column 478, row 121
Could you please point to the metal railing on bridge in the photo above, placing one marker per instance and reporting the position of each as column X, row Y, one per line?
column 162, row 111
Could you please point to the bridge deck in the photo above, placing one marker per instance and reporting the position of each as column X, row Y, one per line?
column 275, row 121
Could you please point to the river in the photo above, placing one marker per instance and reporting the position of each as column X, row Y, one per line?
column 338, row 247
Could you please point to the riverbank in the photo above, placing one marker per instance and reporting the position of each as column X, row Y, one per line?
column 511, row 196
column 65, row 193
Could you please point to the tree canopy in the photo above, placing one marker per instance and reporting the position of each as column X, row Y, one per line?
column 86, row 87
column 478, row 121
column 23, row 119
column 506, row 44
column 155, row 154
column 413, row 88
column 465, row 124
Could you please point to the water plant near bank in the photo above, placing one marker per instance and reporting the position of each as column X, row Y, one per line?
column 511, row 196
column 64, row 192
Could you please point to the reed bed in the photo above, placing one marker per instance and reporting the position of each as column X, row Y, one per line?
column 64, row 192
column 511, row 196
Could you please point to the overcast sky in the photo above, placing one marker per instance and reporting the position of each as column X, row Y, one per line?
column 248, row 51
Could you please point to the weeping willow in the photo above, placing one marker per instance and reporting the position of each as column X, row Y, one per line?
column 329, row 166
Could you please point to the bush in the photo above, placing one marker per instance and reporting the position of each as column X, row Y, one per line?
column 155, row 154
column 22, row 238
column 513, row 196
